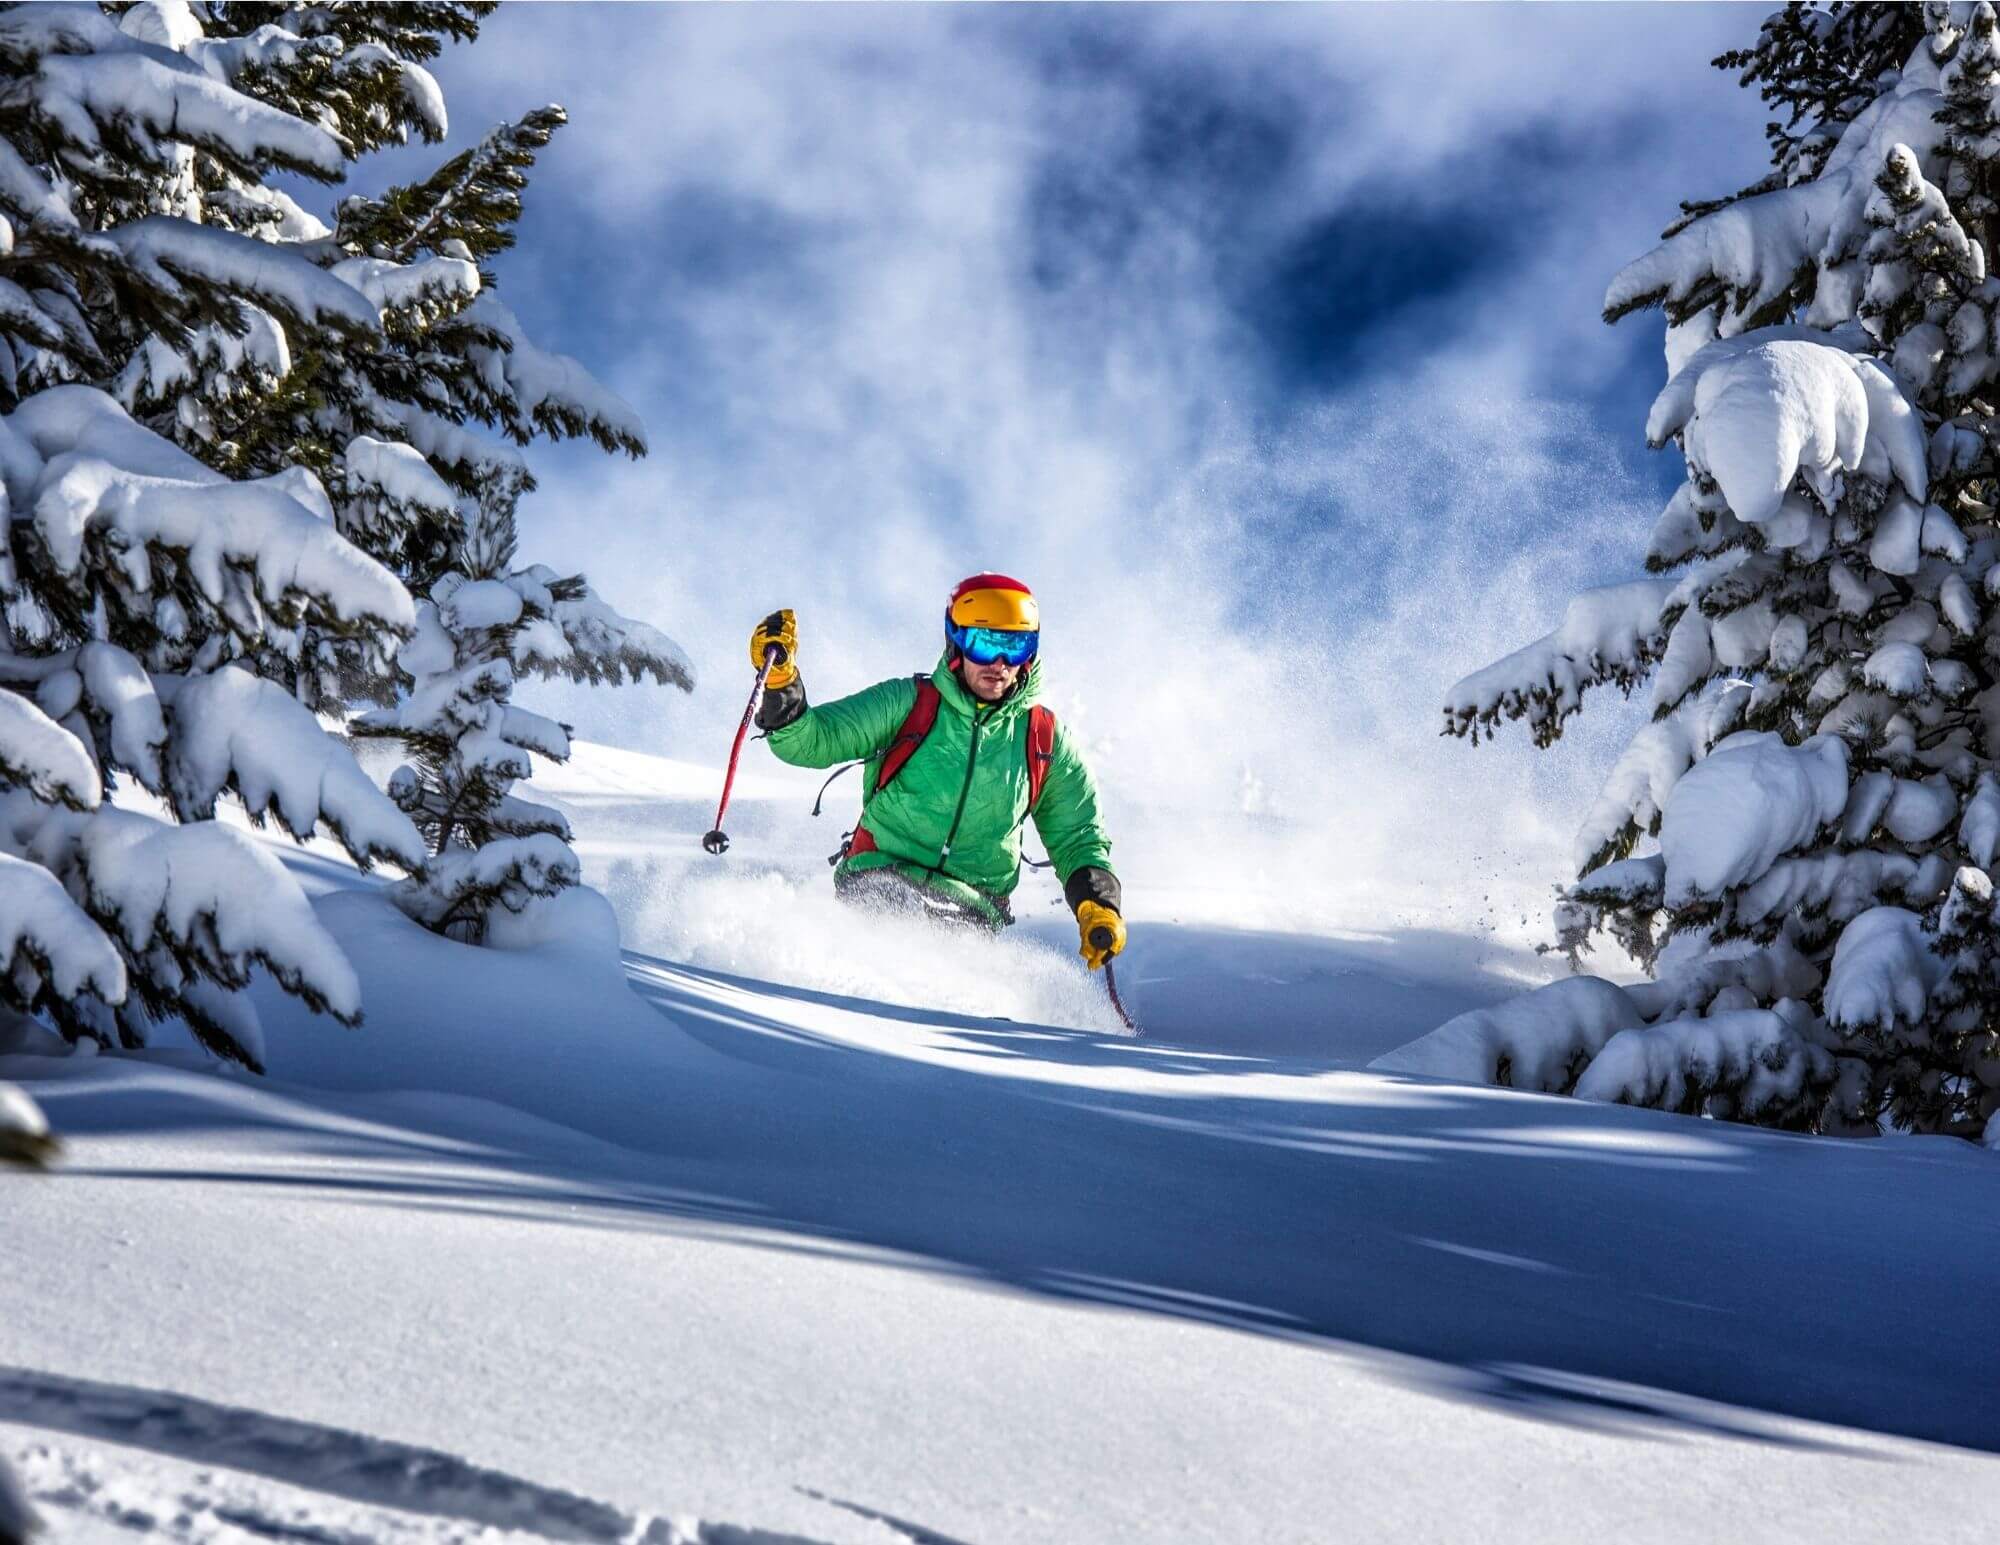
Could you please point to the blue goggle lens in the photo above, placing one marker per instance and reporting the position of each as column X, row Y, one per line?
column 982, row 646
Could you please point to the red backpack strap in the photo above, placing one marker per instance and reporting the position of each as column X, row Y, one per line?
column 1041, row 751
column 923, row 714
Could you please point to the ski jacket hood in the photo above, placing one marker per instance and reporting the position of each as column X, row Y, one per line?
column 952, row 818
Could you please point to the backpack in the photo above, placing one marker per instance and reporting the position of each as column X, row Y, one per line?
column 915, row 727
column 923, row 714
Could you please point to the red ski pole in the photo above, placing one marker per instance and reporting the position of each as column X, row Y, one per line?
column 1101, row 939
column 717, row 841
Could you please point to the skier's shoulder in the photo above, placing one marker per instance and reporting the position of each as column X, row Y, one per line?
column 893, row 699
column 904, row 689
column 896, row 690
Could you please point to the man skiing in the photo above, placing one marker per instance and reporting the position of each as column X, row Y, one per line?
column 956, row 762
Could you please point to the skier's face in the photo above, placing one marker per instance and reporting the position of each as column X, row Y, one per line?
column 989, row 683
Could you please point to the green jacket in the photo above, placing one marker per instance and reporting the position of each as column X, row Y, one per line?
column 952, row 818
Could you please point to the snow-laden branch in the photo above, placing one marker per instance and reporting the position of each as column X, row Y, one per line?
column 1756, row 412
column 71, row 66
column 1610, row 635
column 1750, row 800
column 171, row 252
column 543, row 391
column 1759, row 254
column 461, row 885
column 216, row 900
column 1884, row 972
column 234, row 731
column 1634, row 793
column 46, row 939
column 110, row 480
column 103, row 696
column 433, row 282
column 575, row 633
column 1754, row 1058
column 39, row 755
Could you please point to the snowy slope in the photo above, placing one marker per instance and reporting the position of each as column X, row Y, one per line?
column 586, row 1251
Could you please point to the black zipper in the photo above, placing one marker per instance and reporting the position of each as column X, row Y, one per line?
column 971, row 761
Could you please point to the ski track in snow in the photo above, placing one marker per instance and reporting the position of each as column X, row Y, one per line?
column 250, row 1475
column 916, row 1534
column 333, row 1487
column 325, row 1459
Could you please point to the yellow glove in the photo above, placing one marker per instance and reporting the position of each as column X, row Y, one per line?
column 779, row 630
column 1103, row 932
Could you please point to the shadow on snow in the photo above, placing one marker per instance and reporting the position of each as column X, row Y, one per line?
column 1612, row 1268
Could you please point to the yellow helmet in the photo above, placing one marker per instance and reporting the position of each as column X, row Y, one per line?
column 991, row 617
column 994, row 601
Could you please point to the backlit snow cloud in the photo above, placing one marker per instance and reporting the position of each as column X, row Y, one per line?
column 1263, row 343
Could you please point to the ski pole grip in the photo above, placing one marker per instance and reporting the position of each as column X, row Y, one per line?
column 1100, row 938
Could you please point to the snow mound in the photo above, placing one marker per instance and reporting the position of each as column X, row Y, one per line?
column 576, row 921
column 24, row 1139
column 1540, row 1040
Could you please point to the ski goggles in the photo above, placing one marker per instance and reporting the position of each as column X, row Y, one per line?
column 982, row 646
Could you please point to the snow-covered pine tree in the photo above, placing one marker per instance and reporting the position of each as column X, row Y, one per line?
column 390, row 427
column 1798, row 846
column 444, row 361
column 480, row 629
column 272, row 397
column 438, row 503
column 142, row 589
column 383, row 421
column 386, row 424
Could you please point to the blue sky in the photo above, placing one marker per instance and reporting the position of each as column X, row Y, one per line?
column 1264, row 343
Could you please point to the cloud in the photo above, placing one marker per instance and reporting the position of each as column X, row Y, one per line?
column 1263, row 342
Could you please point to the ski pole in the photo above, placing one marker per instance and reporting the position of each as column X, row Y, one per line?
column 1100, row 938
column 717, row 841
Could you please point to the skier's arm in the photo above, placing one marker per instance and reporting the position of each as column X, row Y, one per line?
column 1071, row 830
column 844, row 730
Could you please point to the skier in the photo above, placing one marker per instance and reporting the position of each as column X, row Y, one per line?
column 958, row 761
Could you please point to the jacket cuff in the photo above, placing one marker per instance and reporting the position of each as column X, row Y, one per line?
column 1093, row 884
column 782, row 705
